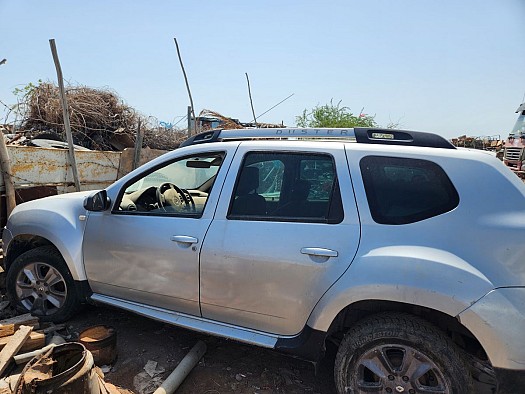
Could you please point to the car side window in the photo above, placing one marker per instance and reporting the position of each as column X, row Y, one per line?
column 287, row 186
column 180, row 187
column 403, row 190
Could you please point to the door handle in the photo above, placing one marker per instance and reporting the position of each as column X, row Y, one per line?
column 184, row 239
column 320, row 252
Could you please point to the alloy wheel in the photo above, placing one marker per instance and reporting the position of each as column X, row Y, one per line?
column 398, row 369
column 41, row 289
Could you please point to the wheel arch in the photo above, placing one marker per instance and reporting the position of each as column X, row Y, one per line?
column 451, row 326
column 40, row 282
column 25, row 242
column 400, row 352
column 58, row 221
column 21, row 244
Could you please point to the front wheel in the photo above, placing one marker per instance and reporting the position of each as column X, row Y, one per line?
column 39, row 282
column 399, row 353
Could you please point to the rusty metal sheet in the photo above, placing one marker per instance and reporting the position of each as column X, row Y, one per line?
column 31, row 166
column 146, row 154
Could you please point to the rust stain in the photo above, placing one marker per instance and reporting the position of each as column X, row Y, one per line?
column 36, row 166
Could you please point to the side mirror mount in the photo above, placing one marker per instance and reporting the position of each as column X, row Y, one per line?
column 97, row 202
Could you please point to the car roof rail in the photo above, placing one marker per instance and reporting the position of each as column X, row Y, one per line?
column 361, row 135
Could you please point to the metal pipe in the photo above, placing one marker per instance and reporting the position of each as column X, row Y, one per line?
column 174, row 380
column 25, row 357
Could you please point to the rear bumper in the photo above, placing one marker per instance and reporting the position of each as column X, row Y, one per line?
column 510, row 381
column 497, row 320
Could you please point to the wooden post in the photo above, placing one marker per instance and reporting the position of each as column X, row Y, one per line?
column 14, row 345
column 65, row 112
column 5, row 166
column 251, row 102
column 138, row 147
column 187, row 87
column 189, row 121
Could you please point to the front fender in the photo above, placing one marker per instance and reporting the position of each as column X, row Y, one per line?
column 57, row 219
column 415, row 275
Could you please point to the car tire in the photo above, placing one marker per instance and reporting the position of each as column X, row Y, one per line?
column 39, row 281
column 399, row 353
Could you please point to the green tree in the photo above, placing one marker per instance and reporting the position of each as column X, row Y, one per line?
column 334, row 115
column 27, row 90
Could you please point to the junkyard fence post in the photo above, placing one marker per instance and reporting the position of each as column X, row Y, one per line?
column 65, row 112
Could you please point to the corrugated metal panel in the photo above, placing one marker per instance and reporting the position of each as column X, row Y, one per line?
column 32, row 166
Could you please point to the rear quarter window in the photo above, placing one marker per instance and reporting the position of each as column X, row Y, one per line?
column 403, row 190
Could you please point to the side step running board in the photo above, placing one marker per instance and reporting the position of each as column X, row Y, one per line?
column 194, row 323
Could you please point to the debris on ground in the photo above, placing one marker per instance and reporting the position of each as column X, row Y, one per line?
column 28, row 365
column 152, row 370
column 149, row 379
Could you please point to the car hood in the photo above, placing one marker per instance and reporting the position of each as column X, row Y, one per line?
column 46, row 212
column 53, row 202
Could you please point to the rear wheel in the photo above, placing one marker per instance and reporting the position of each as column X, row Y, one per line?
column 399, row 353
column 39, row 282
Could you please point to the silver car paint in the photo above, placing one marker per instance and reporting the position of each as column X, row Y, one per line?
column 127, row 257
column 140, row 257
column 451, row 261
column 253, row 273
column 497, row 320
column 195, row 323
column 57, row 219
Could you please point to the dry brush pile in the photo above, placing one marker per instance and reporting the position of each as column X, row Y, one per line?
column 98, row 118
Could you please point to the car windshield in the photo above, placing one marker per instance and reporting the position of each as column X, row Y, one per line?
column 519, row 127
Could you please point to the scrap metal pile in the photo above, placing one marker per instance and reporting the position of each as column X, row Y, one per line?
column 493, row 143
column 207, row 115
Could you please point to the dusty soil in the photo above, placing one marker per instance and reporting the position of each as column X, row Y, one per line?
column 227, row 366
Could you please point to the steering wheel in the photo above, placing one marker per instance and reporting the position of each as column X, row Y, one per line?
column 184, row 197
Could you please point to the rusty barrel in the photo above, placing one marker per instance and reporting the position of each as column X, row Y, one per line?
column 101, row 341
column 64, row 369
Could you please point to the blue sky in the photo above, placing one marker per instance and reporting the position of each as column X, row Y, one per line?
column 445, row 66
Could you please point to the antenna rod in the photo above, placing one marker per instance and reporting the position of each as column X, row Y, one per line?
column 279, row 103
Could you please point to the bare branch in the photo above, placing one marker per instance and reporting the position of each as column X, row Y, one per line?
column 251, row 101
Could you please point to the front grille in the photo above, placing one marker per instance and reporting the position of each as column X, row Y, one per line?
column 513, row 153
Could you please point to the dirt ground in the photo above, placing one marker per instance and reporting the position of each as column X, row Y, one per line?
column 227, row 366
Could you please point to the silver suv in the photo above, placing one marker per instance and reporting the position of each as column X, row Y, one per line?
column 405, row 254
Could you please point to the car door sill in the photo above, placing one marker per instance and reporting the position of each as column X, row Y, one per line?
column 195, row 323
